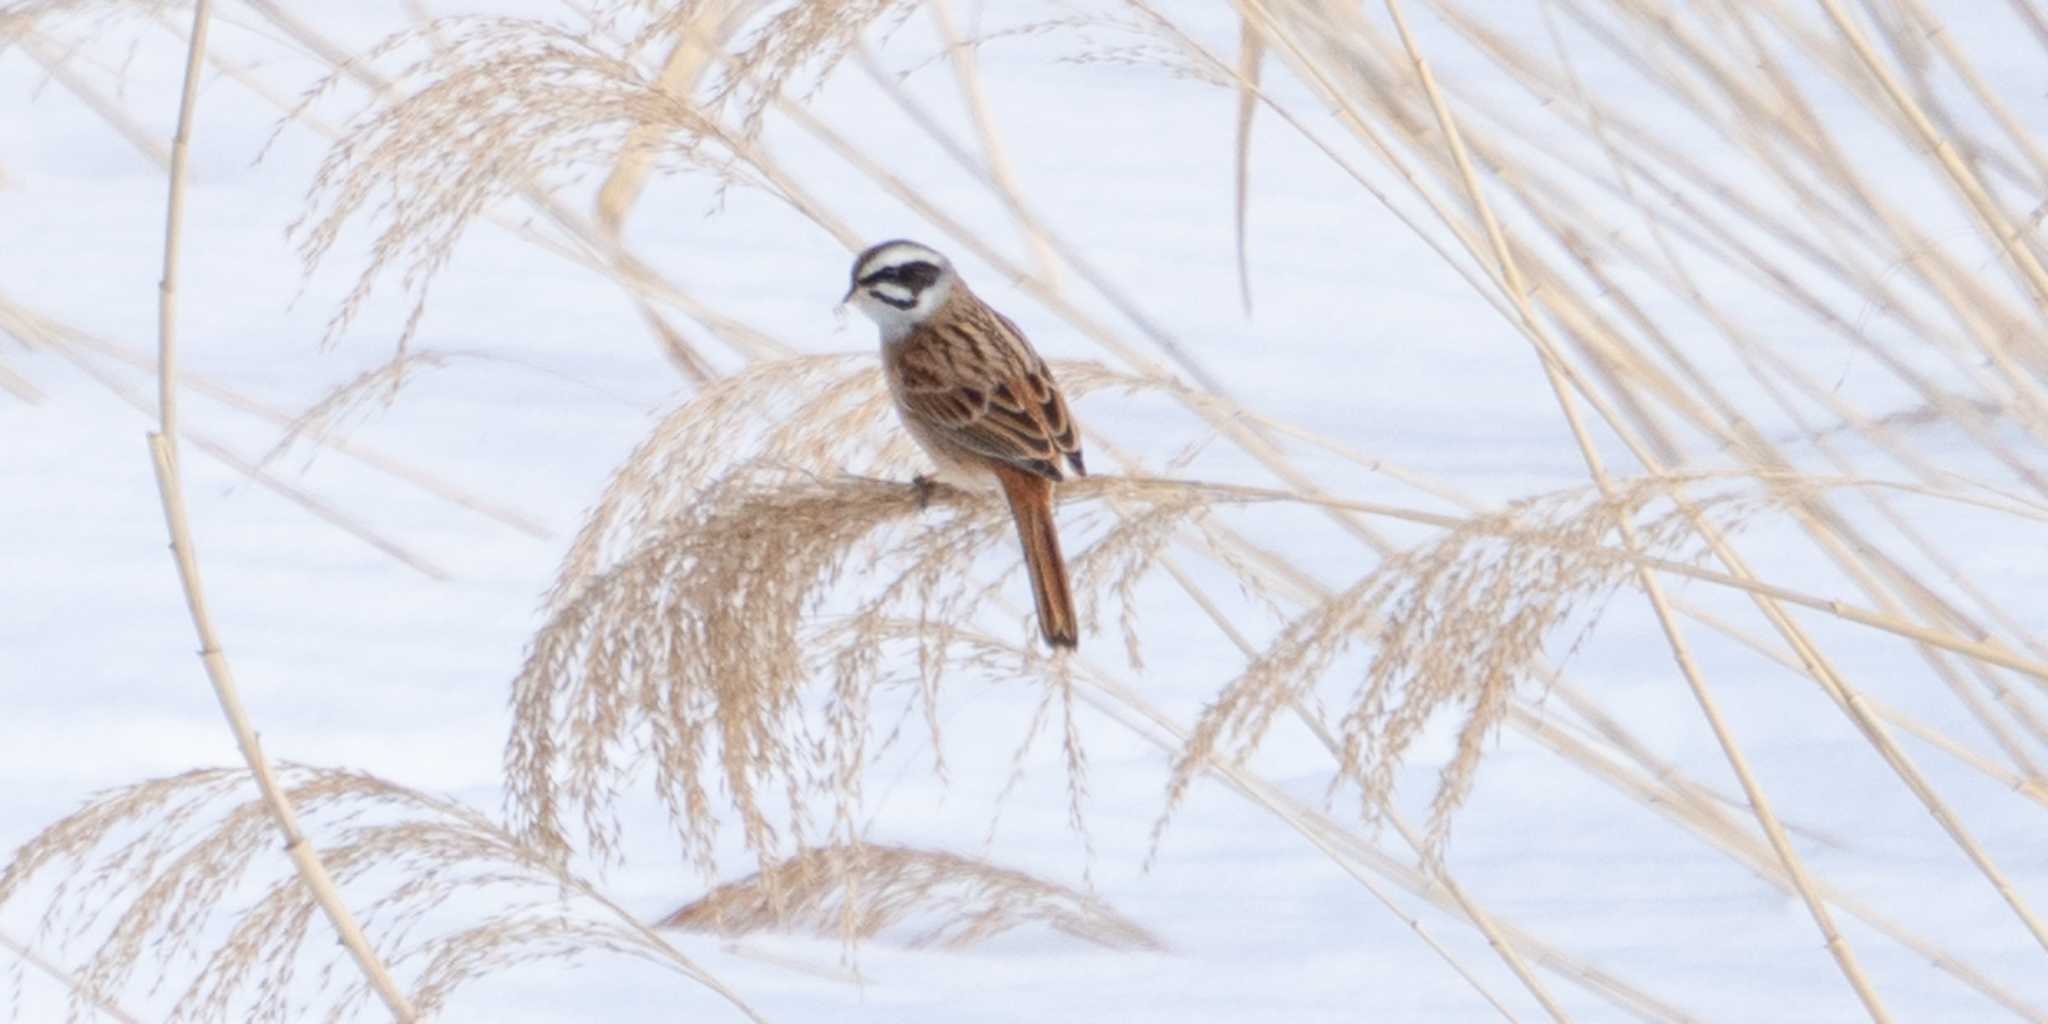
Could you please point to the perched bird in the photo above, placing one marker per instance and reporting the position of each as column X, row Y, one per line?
column 978, row 400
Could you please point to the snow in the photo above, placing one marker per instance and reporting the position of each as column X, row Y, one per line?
column 348, row 658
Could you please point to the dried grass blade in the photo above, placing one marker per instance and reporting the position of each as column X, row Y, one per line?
column 1251, row 60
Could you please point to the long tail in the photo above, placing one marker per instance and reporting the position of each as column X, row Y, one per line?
column 1031, row 505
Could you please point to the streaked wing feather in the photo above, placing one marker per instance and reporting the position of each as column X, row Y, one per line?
column 996, row 398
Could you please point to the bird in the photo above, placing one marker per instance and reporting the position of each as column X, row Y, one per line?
column 979, row 400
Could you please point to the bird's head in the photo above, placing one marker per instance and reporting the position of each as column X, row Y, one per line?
column 900, row 284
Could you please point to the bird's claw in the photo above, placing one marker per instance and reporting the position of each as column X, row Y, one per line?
column 924, row 486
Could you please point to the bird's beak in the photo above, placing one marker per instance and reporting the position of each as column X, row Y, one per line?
column 848, row 297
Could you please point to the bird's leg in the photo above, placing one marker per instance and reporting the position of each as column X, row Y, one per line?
column 924, row 485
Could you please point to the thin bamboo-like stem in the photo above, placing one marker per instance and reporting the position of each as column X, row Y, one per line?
column 2028, row 788
column 1001, row 171
column 1900, row 763
column 1827, row 157
column 1823, row 523
column 1945, row 281
column 1500, row 943
column 1244, row 646
column 604, row 235
column 1719, row 831
column 1829, row 677
column 1510, row 277
column 1441, row 872
column 846, row 975
column 1932, row 26
column 318, row 507
column 1309, row 592
column 29, row 327
column 73, row 347
column 1979, row 198
column 694, row 50
column 1385, row 900
column 57, row 973
column 1747, row 437
column 1351, row 852
column 2032, row 790
column 1601, row 726
column 1550, row 293
column 624, row 268
column 1810, row 136
column 60, row 72
column 593, row 246
column 1842, row 541
column 164, row 455
column 683, row 962
column 1985, row 651
column 1686, row 793
column 17, row 385
column 423, row 479
column 1976, row 308
column 1705, row 818
column 1347, row 850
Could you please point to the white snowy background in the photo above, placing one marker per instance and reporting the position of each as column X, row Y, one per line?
column 350, row 658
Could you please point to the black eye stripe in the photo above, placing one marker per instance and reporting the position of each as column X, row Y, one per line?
column 916, row 275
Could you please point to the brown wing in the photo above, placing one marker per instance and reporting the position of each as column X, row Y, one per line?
column 975, row 381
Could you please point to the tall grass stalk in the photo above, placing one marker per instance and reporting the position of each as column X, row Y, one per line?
column 164, row 452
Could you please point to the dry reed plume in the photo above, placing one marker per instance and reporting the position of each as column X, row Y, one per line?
column 148, row 883
column 703, row 600
column 1461, row 622
column 496, row 107
column 917, row 898
column 493, row 107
